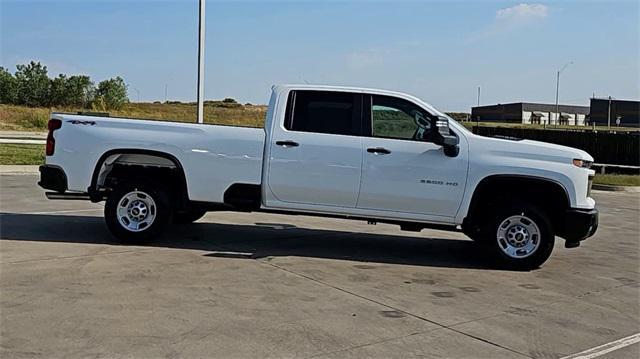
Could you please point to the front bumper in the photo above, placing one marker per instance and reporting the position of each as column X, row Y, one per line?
column 580, row 224
column 53, row 178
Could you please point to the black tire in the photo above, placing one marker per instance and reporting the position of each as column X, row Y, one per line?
column 499, row 245
column 157, row 204
column 189, row 216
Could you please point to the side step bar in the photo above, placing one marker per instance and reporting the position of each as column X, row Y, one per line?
column 68, row 196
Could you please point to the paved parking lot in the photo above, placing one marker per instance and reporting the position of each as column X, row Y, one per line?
column 258, row 285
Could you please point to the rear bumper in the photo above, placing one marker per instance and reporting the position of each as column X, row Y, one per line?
column 580, row 224
column 53, row 178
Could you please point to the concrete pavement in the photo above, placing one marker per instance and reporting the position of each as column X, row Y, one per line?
column 19, row 170
column 239, row 285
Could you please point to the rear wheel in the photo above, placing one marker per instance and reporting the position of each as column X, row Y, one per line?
column 520, row 236
column 135, row 212
column 189, row 216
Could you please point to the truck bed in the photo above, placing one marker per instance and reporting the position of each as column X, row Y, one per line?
column 234, row 152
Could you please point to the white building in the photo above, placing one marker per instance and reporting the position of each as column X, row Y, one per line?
column 532, row 113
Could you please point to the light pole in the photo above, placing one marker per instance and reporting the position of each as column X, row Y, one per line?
column 558, row 90
column 201, row 28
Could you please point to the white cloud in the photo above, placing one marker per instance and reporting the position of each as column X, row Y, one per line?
column 522, row 13
column 512, row 18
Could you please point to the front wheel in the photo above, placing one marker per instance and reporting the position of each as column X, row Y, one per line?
column 520, row 236
column 135, row 212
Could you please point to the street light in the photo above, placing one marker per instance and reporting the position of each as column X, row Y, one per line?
column 558, row 90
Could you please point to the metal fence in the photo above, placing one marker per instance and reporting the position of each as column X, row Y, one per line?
column 621, row 148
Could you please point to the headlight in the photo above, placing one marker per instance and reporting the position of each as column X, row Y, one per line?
column 582, row 163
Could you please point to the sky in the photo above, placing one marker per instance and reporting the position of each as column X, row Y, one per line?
column 440, row 51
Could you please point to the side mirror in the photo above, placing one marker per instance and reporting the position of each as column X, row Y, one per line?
column 442, row 136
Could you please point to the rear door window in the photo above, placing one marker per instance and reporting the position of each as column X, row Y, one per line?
column 337, row 113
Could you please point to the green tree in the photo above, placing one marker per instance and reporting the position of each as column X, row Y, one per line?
column 80, row 91
column 32, row 84
column 8, row 87
column 58, row 91
column 98, row 104
column 113, row 92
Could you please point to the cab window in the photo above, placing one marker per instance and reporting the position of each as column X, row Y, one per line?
column 328, row 112
column 396, row 118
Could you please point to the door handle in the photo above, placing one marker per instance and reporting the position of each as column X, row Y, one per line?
column 287, row 143
column 378, row 150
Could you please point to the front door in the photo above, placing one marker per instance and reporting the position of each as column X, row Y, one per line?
column 316, row 156
column 402, row 171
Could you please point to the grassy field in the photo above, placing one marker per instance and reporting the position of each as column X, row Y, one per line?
column 618, row 180
column 11, row 154
column 19, row 118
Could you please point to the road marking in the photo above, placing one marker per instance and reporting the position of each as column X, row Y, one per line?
column 605, row 348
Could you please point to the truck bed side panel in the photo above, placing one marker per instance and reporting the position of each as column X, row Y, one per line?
column 213, row 157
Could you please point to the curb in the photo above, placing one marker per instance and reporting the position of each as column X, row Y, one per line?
column 24, row 135
column 19, row 170
column 613, row 188
column 20, row 141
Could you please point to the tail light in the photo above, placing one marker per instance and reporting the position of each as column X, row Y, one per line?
column 53, row 125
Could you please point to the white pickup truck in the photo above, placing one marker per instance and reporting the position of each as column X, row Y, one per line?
column 354, row 153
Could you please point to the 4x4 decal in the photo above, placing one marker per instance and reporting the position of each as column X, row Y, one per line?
column 81, row 122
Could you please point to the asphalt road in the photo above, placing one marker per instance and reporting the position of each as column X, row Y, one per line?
column 257, row 285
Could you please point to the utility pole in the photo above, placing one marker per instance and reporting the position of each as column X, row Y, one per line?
column 201, row 28
column 558, row 90
column 609, row 114
column 166, row 90
column 478, row 96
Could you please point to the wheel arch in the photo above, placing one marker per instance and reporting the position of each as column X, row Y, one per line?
column 134, row 157
column 546, row 193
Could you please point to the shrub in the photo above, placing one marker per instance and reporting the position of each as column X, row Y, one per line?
column 113, row 93
column 36, row 120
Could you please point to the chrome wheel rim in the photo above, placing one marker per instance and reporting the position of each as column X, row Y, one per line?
column 136, row 211
column 518, row 236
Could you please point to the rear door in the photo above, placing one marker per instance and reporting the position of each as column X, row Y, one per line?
column 316, row 154
column 402, row 170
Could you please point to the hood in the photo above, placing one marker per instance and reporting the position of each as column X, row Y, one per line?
column 533, row 149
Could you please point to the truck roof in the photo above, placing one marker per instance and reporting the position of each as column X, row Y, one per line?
column 338, row 88
column 285, row 87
